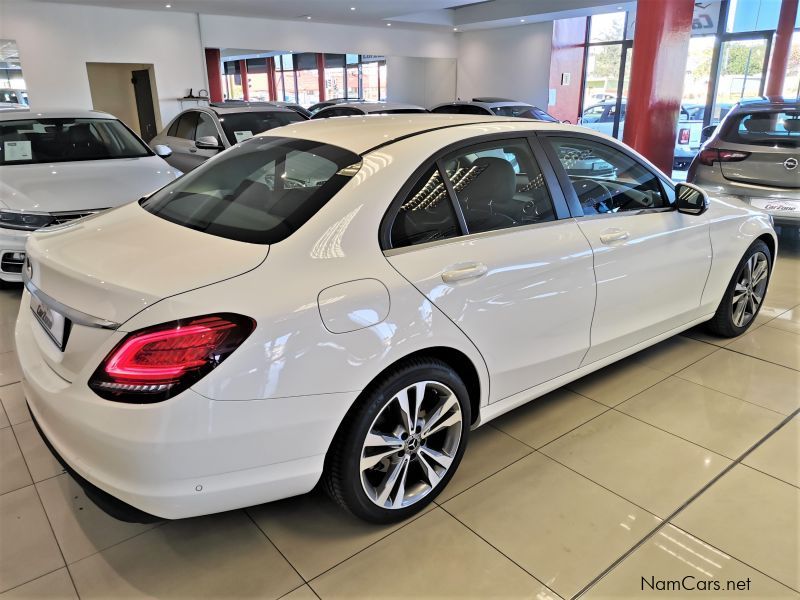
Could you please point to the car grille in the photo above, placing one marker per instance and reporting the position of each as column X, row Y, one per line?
column 59, row 218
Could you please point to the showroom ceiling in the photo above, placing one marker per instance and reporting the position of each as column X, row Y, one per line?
column 461, row 14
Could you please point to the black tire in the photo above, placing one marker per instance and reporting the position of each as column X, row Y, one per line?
column 722, row 324
column 342, row 479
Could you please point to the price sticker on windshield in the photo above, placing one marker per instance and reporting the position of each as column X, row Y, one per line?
column 242, row 135
column 17, row 151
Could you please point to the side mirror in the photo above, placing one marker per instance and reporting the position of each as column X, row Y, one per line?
column 707, row 132
column 208, row 142
column 690, row 199
column 163, row 150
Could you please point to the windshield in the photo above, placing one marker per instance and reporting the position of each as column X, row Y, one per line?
column 524, row 111
column 243, row 125
column 775, row 128
column 33, row 141
column 260, row 191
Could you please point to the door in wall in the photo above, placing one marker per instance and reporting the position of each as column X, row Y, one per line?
column 144, row 103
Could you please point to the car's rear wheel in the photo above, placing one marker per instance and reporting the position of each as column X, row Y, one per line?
column 745, row 294
column 401, row 444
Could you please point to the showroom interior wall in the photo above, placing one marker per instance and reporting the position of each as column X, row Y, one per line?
column 513, row 62
column 111, row 89
column 421, row 64
column 57, row 40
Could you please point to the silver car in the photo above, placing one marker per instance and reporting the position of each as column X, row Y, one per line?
column 754, row 154
column 502, row 107
column 197, row 134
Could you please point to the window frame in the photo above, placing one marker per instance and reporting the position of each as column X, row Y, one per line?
column 575, row 207
column 554, row 188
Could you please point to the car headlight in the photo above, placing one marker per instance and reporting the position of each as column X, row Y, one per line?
column 29, row 221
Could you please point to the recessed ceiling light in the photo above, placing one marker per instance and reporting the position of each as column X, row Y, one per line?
column 168, row 6
column 352, row 8
column 388, row 24
column 308, row 17
column 455, row 28
column 522, row 20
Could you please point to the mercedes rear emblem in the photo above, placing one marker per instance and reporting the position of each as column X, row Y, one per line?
column 790, row 164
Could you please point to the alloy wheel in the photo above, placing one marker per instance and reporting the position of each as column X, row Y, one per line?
column 748, row 294
column 411, row 444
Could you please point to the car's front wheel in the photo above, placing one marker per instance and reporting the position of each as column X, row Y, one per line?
column 745, row 293
column 402, row 442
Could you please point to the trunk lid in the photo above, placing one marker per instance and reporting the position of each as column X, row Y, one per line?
column 113, row 265
column 773, row 167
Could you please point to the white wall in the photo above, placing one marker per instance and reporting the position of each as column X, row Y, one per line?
column 513, row 62
column 56, row 41
column 422, row 81
column 304, row 36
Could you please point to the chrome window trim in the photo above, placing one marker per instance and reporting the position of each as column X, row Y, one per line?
column 75, row 316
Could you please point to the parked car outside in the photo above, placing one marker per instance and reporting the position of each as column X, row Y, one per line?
column 754, row 155
column 352, row 109
column 197, row 134
column 331, row 102
column 600, row 117
column 370, row 290
column 59, row 166
column 494, row 106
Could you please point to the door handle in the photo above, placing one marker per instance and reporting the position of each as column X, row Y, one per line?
column 613, row 235
column 192, row 149
column 464, row 271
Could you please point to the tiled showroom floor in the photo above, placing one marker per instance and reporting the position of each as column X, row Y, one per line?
column 680, row 461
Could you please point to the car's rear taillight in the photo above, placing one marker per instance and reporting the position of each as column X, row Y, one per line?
column 683, row 136
column 708, row 156
column 156, row 363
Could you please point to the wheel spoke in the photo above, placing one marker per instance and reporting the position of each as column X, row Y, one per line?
column 757, row 300
column 379, row 440
column 738, row 312
column 436, row 421
column 400, row 494
column 760, row 272
column 437, row 456
column 387, row 485
column 430, row 473
column 405, row 410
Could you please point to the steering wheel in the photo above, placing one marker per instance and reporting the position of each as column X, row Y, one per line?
column 594, row 194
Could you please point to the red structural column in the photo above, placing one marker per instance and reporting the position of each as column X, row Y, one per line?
column 660, row 50
column 213, row 61
column 321, row 76
column 273, row 94
column 245, row 85
column 779, row 61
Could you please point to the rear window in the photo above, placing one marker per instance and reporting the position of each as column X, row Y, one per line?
column 32, row 141
column 459, row 109
column 523, row 112
column 244, row 125
column 259, row 192
column 398, row 111
column 775, row 128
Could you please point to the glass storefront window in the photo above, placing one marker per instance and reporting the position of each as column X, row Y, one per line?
column 602, row 74
column 353, row 79
column 698, row 76
column 257, row 79
column 308, row 87
column 791, row 86
column 754, row 15
column 334, row 76
column 233, row 80
column 608, row 27
column 741, row 73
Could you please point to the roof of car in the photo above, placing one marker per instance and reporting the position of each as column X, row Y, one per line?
column 360, row 134
column 244, row 108
column 765, row 103
column 375, row 106
column 484, row 102
column 16, row 115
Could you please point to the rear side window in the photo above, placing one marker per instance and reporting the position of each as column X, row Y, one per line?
column 260, row 191
column 780, row 128
column 426, row 214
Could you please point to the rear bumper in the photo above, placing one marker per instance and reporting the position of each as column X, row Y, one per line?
column 184, row 457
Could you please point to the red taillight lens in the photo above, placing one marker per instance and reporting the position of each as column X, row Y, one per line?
column 683, row 136
column 156, row 363
column 708, row 156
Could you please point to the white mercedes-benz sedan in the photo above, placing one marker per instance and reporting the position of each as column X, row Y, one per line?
column 343, row 300
column 62, row 165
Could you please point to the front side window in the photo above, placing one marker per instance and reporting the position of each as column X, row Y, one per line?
column 244, row 125
column 593, row 114
column 426, row 214
column 607, row 180
column 32, row 141
column 773, row 128
column 499, row 185
column 260, row 191
column 206, row 128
